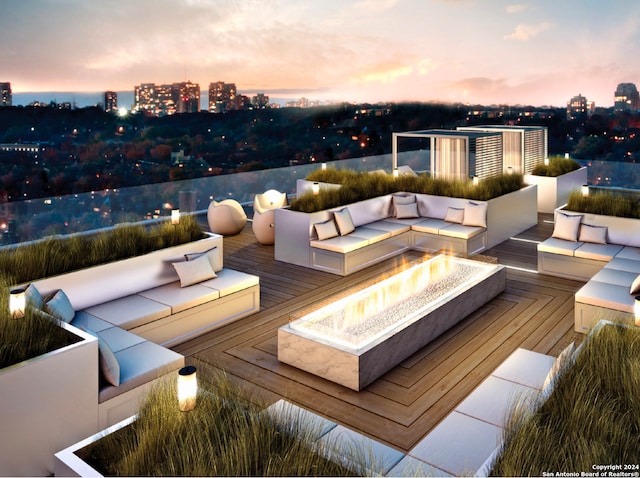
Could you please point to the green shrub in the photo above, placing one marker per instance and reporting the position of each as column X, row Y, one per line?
column 361, row 186
column 224, row 435
column 608, row 203
column 591, row 417
column 557, row 166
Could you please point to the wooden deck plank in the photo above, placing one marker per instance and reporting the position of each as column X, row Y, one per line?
column 534, row 312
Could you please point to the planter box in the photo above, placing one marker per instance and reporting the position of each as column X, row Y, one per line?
column 48, row 403
column 303, row 186
column 553, row 192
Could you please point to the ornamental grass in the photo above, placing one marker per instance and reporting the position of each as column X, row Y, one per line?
column 557, row 166
column 605, row 202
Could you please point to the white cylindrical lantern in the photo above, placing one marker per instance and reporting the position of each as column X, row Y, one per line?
column 324, row 166
column 396, row 172
column 187, row 388
column 636, row 310
column 585, row 190
column 17, row 303
column 509, row 170
column 476, row 180
column 315, row 187
column 175, row 217
column 546, row 161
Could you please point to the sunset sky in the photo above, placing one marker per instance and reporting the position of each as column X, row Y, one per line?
column 534, row 52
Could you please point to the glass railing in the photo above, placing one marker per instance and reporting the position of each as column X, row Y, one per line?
column 37, row 218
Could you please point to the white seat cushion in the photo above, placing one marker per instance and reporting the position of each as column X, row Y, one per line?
column 609, row 296
column 461, row 231
column 130, row 311
column 181, row 298
column 393, row 227
column 624, row 265
column 598, row 252
column 341, row 243
column 372, row 235
column 431, row 226
column 558, row 246
column 629, row 252
column 230, row 281
column 615, row 276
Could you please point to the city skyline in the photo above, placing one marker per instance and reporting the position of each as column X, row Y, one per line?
column 532, row 53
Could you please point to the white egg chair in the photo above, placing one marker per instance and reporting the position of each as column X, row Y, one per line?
column 264, row 206
column 226, row 217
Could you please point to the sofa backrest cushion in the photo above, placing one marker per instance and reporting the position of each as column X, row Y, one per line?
column 370, row 210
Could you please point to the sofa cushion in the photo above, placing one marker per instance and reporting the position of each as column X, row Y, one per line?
column 109, row 366
column 407, row 211
column 141, row 364
column 461, row 231
column 391, row 226
column 371, row 234
column 402, row 199
column 194, row 271
column 341, row 243
column 344, row 222
column 629, row 252
column 431, row 226
column 454, row 215
column 33, row 296
column 181, row 298
column 130, row 311
column 609, row 296
column 558, row 246
column 213, row 254
column 624, row 265
column 230, row 281
column 598, row 252
column 566, row 227
column 91, row 322
column 59, row 306
column 614, row 276
column 475, row 214
column 591, row 233
column 326, row 230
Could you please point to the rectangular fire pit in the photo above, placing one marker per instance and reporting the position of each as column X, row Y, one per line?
column 359, row 337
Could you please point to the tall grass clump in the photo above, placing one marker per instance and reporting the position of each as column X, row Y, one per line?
column 57, row 255
column 557, row 166
column 226, row 434
column 360, row 186
column 29, row 336
column 592, row 415
column 608, row 203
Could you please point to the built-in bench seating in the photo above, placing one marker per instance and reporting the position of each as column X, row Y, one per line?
column 138, row 307
column 604, row 251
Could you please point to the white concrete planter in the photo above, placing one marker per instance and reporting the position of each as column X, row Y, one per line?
column 511, row 214
column 47, row 403
column 303, row 186
column 553, row 192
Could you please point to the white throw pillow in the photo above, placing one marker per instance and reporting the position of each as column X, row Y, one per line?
column 635, row 286
column 562, row 361
column 566, row 227
column 326, row 230
column 60, row 306
column 194, row 271
column 214, row 257
column 407, row 211
column 475, row 214
column 455, row 215
column 344, row 221
column 400, row 200
column 595, row 234
column 109, row 365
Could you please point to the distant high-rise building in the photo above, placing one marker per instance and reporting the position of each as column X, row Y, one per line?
column 6, row 98
column 579, row 107
column 260, row 101
column 168, row 99
column 626, row 98
column 111, row 101
column 222, row 96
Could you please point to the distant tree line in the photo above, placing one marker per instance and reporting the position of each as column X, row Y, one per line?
column 88, row 149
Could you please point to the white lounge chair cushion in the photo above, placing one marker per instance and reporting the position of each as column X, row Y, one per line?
column 609, row 296
column 566, row 226
column 181, row 298
column 230, row 281
column 475, row 214
column 344, row 222
column 342, row 244
column 461, row 231
column 558, row 246
column 130, row 311
column 598, row 252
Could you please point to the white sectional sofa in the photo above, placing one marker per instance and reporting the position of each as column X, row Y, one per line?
column 602, row 250
column 137, row 309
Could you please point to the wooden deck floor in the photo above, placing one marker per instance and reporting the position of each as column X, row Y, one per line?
column 534, row 312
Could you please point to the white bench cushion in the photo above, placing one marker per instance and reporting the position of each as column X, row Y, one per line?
column 461, row 231
column 181, row 298
column 609, row 296
column 85, row 320
column 431, row 226
column 130, row 311
column 624, row 265
column 230, row 281
column 615, row 276
column 393, row 227
column 342, row 244
column 598, row 252
column 629, row 252
column 558, row 246
column 372, row 235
